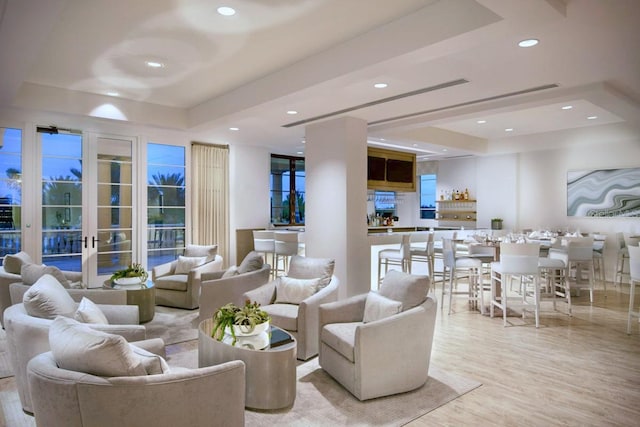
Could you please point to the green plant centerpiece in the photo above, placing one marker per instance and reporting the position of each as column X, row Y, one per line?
column 238, row 320
column 135, row 272
column 496, row 223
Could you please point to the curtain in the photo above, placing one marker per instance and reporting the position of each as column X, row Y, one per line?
column 210, row 196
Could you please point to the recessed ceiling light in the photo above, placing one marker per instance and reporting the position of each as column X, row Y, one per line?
column 292, row 112
column 508, row 130
column 567, row 107
column 300, row 152
column 154, row 64
column 480, row 122
column 304, row 141
column 234, row 128
column 226, row 11
column 444, row 149
column 528, row 42
column 380, row 85
column 113, row 93
column 415, row 145
column 592, row 117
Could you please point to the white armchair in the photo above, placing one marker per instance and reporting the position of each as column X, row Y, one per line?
column 178, row 284
column 376, row 350
column 292, row 301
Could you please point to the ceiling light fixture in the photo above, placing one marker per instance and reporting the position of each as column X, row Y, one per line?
column 154, row 64
column 528, row 42
column 300, row 152
column 567, row 107
column 380, row 85
column 481, row 122
column 292, row 112
column 508, row 130
column 112, row 93
column 234, row 128
column 226, row 11
column 592, row 117
column 401, row 147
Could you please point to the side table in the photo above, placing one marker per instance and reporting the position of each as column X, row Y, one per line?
column 142, row 295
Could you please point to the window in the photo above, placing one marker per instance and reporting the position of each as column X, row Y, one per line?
column 385, row 203
column 287, row 194
column 165, row 203
column 427, row 196
column 10, row 190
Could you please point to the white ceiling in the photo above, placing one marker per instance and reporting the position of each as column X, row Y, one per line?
column 321, row 58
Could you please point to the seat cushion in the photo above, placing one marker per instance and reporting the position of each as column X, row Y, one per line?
column 208, row 251
column 294, row 291
column 12, row 263
column 30, row 273
column 411, row 290
column 47, row 298
column 174, row 282
column 311, row 268
column 187, row 263
column 284, row 316
column 252, row 262
column 89, row 312
column 377, row 307
column 341, row 337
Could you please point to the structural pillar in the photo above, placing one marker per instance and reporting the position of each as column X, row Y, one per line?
column 336, row 200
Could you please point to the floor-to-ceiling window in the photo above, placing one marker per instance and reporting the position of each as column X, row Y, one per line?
column 428, row 196
column 166, row 210
column 10, row 190
column 287, row 190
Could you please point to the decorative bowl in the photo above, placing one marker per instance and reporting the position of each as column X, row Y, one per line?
column 128, row 281
column 246, row 331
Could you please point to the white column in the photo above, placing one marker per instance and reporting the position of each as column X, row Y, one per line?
column 336, row 200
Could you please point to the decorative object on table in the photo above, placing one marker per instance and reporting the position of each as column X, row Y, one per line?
column 496, row 223
column 239, row 321
column 135, row 274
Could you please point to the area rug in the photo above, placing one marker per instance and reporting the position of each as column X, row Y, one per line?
column 173, row 325
column 321, row 401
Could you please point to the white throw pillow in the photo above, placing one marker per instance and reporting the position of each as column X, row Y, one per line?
column 187, row 263
column 47, row 298
column 231, row 271
column 294, row 291
column 153, row 364
column 30, row 273
column 377, row 307
column 77, row 347
column 89, row 312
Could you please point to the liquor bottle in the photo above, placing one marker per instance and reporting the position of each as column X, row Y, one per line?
column 466, row 194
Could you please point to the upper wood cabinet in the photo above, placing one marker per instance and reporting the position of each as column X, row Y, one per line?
column 391, row 170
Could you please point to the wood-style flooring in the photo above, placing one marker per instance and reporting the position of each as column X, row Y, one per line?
column 582, row 370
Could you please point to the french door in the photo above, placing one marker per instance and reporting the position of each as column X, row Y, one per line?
column 88, row 204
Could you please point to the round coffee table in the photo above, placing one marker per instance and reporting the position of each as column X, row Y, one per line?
column 270, row 372
column 143, row 295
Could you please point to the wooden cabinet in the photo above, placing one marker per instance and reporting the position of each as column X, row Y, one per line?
column 456, row 212
column 391, row 170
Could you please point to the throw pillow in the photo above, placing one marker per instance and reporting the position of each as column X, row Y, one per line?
column 231, row 271
column 89, row 312
column 77, row 347
column 12, row 263
column 252, row 262
column 187, row 263
column 411, row 290
column 310, row 268
column 32, row 272
column 377, row 307
column 152, row 363
column 209, row 251
column 294, row 291
column 47, row 298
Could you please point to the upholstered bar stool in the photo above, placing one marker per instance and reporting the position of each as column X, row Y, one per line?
column 634, row 269
column 286, row 246
column 621, row 259
column 264, row 242
column 424, row 252
column 453, row 265
column 400, row 257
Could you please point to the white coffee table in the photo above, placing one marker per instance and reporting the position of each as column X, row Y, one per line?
column 270, row 372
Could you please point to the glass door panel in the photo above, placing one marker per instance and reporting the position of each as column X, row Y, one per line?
column 10, row 191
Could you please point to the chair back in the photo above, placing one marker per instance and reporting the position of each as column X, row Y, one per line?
column 631, row 241
column 519, row 258
column 405, row 246
column 263, row 241
column 634, row 263
column 621, row 242
column 482, row 250
column 448, row 253
column 286, row 242
column 579, row 248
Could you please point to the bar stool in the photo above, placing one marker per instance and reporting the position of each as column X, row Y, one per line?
column 634, row 272
column 424, row 253
column 580, row 255
column 453, row 265
column 400, row 257
column 264, row 242
column 622, row 259
column 553, row 275
column 286, row 246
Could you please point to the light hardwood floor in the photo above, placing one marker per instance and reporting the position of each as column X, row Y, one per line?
column 572, row 371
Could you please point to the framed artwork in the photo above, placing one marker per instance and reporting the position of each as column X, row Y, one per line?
column 604, row 193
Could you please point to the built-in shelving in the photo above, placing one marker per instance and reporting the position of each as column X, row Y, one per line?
column 453, row 212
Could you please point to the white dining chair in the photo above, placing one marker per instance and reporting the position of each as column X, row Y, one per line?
column 400, row 257
column 634, row 272
column 454, row 267
column 285, row 246
column 622, row 259
column 263, row 242
column 424, row 252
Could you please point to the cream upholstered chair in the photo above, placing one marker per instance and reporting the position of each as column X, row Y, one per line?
column 517, row 260
column 453, row 265
column 292, row 301
column 222, row 287
column 634, row 272
column 28, row 335
column 378, row 344
column 92, row 378
column 400, row 257
column 177, row 282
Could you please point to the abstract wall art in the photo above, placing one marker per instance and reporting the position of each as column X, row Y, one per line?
column 604, row 193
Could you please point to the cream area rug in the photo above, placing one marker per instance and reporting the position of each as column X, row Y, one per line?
column 321, row 401
column 173, row 325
